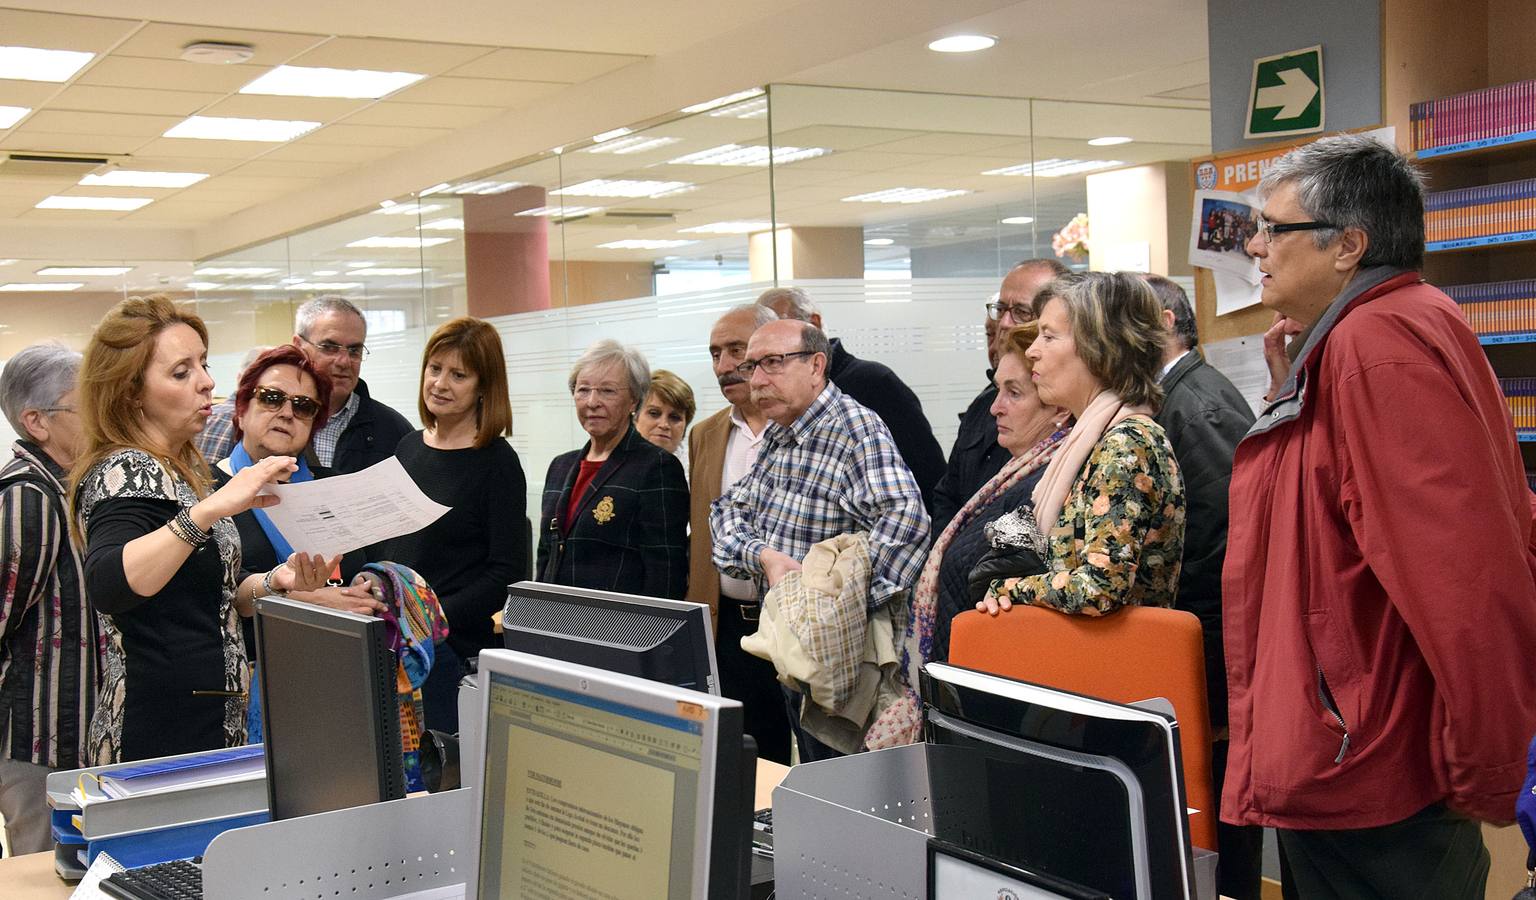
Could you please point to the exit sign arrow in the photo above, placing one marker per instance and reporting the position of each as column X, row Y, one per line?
column 1286, row 95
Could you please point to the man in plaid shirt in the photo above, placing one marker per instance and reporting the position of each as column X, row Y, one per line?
column 828, row 466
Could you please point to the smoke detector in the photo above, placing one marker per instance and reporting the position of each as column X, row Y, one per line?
column 217, row 53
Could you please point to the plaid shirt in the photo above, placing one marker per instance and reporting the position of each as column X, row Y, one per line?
column 217, row 439
column 324, row 439
column 835, row 470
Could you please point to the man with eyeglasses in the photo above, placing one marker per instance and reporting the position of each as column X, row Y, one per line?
column 976, row 456
column 1379, row 586
column 361, row 431
column 874, row 386
column 828, row 466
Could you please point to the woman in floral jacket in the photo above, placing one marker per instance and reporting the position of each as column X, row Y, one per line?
column 1110, row 505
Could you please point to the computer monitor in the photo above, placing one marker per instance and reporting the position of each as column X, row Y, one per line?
column 1075, row 788
column 597, row 784
column 670, row 641
column 329, row 709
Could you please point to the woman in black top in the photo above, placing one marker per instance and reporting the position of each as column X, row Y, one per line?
column 161, row 554
column 460, row 460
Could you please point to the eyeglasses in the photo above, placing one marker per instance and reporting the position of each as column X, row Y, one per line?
column 1268, row 229
column 1021, row 312
column 271, row 398
column 54, row 409
column 605, row 394
column 773, row 363
column 331, row 348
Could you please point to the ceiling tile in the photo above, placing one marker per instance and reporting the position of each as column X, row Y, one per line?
column 36, row 188
column 308, row 109
column 26, row 139
column 72, row 215
column 239, row 182
column 96, row 98
column 267, row 166
column 169, row 75
column 949, row 144
column 115, row 124
column 306, row 150
column 840, row 137
column 519, row 64
column 25, row 93
column 159, row 40
column 477, row 91
column 188, row 148
column 370, row 136
column 388, row 56
column 423, row 115
column 55, row 31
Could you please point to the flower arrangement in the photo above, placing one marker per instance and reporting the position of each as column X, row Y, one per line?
column 1072, row 240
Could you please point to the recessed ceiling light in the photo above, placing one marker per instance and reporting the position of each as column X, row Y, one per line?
column 408, row 209
column 10, row 115
column 747, row 109
column 250, row 287
column 1108, row 141
column 324, row 273
column 606, row 187
column 751, row 155
column 292, row 279
column 398, row 243
column 375, row 270
column 127, row 178
column 904, row 195
column 325, row 286
column 234, row 270
column 728, row 228
column 203, row 285
column 33, row 64
column 360, row 264
column 7, row 262
column 443, row 225
column 1017, row 220
column 43, row 286
column 562, row 212
column 314, row 81
column 722, row 101
column 879, row 242
column 638, row 143
column 963, row 43
column 472, row 187
column 230, row 128
column 85, row 271
column 112, row 204
column 610, row 135
column 636, row 244
column 217, row 53
column 1055, row 168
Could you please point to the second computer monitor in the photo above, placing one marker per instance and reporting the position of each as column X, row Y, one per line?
column 669, row 641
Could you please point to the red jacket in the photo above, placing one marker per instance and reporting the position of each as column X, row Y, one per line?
column 1380, row 583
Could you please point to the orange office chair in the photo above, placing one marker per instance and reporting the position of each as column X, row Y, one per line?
column 1133, row 654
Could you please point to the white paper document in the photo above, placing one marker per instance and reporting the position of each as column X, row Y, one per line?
column 331, row 516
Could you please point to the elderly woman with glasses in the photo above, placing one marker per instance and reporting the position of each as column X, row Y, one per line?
column 615, row 513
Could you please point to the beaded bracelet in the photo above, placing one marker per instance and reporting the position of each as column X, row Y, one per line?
column 185, row 528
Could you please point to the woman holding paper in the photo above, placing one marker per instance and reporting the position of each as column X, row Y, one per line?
column 162, row 556
column 461, row 460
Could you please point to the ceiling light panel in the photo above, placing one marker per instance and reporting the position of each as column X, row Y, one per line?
column 473, row 187
column 34, row 64
column 126, row 178
column 203, row 285
column 751, row 155
column 629, row 188
column 347, row 84
column 905, row 195
column 1108, row 141
column 399, row 243
column 963, row 43
column 728, row 228
column 385, row 271
column 638, row 143
column 229, row 128
column 53, row 286
column 1017, row 220
column 750, row 109
column 610, row 135
column 722, row 101
column 235, row 271
column 636, row 244
column 443, row 225
column 85, row 271
column 409, row 209
column 10, row 115
column 1056, row 168
column 562, row 212
column 103, row 204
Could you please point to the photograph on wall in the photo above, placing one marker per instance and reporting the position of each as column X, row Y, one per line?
column 1218, row 236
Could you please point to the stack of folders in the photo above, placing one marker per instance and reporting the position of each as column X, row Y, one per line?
column 176, row 772
column 1481, row 211
column 1521, row 394
column 1502, row 111
column 1497, row 307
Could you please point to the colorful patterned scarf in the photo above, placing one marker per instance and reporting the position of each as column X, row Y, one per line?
column 415, row 624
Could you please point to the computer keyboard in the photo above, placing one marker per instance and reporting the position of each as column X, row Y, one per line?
column 762, row 832
column 179, row 879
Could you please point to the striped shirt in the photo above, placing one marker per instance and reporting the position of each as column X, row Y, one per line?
column 324, row 440
column 834, row 470
column 217, row 439
column 51, row 647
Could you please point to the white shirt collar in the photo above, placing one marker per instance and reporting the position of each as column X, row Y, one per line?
column 1169, row 368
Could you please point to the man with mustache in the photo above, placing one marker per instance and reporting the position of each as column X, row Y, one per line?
column 721, row 450
column 827, row 466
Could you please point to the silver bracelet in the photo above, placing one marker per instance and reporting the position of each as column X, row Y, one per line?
column 266, row 583
column 183, row 526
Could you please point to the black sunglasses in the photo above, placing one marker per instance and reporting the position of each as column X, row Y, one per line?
column 271, row 398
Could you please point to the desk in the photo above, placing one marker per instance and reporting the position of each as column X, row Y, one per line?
column 31, row 877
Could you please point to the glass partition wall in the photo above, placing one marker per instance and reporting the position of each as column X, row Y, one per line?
column 899, row 212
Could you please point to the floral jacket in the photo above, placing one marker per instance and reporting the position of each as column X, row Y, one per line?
column 1120, row 537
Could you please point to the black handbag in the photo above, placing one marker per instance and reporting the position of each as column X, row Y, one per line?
column 1016, row 549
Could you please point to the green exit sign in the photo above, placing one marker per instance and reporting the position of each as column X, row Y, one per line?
column 1286, row 96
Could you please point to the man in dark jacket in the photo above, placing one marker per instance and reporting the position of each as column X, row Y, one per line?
column 875, row 387
column 361, row 430
column 1205, row 417
column 976, row 456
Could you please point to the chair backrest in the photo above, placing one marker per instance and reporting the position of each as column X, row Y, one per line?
column 1134, row 654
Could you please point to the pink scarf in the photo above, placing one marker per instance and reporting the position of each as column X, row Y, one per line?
column 1103, row 412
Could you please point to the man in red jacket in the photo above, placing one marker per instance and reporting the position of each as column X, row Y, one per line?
column 1380, row 581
